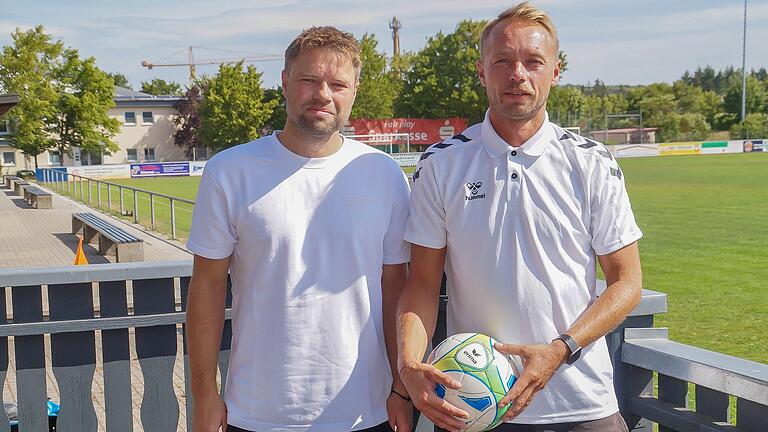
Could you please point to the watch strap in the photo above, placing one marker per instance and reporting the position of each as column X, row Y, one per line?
column 573, row 347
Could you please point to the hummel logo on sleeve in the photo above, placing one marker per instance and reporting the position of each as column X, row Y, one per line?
column 472, row 190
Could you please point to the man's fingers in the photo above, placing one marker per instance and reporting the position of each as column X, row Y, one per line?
column 447, row 408
column 442, row 378
column 521, row 402
column 509, row 348
column 516, row 390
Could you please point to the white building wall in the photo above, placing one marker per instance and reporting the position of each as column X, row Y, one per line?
column 141, row 136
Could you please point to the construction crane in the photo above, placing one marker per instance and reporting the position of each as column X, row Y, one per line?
column 191, row 62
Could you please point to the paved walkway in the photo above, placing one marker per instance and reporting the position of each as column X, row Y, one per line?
column 43, row 238
column 35, row 238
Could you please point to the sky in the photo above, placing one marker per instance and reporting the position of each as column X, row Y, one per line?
column 616, row 41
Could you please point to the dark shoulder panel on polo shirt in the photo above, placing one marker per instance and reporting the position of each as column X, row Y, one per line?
column 587, row 145
column 566, row 136
column 458, row 139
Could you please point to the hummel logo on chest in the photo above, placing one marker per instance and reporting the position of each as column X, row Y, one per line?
column 472, row 191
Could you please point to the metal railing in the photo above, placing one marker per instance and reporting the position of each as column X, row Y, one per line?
column 74, row 305
column 76, row 185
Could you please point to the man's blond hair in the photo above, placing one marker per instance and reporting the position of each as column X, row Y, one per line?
column 326, row 37
column 524, row 12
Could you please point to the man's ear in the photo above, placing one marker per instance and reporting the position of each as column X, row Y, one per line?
column 480, row 72
column 284, row 78
column 556, row 75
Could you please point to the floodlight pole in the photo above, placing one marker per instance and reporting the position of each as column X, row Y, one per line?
column 744, row 73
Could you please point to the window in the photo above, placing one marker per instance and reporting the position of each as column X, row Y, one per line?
column 54, row 157
column 146, row 117
column 133, row 155
column 199, row 153
column 130, row 118
column 149, row 154
column 89, row 158
column 9, row 158
column 5, row 127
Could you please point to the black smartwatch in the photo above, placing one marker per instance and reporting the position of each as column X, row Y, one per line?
column 573, row 347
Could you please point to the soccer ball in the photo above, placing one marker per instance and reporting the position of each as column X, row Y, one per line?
column 486, row 375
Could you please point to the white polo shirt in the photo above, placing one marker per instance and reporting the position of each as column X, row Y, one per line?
column 522, row 227
column 308, row 238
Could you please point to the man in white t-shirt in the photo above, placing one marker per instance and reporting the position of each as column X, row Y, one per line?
column 309, row 225
column 518, row 212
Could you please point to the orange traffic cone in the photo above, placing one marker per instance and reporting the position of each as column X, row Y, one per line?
column 80, row 258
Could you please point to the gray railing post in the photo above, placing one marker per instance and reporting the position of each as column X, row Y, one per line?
column 82, row 192
column 68, row 189
column 135, row 206
column 109, row 197
column 122, row 202
column 173, row 219
column 90, row 201
column 152, row 210
column 630, row 381
column 98, row 194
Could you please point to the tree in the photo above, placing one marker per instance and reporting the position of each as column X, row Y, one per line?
column 755, row 126
column 188, row 122
column 279, row 114
column 757, row 97
column 692, row 99
column 63, row 100
column 442, row 79
column 26, row 68
column 678, row 111
column 120, row 80
column 233, row 109
column 85, row 96
column 378, row 89
column 564, row 102
column 161, row 87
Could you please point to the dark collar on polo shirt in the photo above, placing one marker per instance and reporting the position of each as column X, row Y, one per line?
column 535, row 146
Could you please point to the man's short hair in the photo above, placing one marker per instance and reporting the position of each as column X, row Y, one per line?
column 326, row 37
column 527, row 12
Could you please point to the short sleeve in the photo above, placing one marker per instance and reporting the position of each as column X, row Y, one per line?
column 426, row 223
column 396, row 249
column 613, row 224
column 212, row 234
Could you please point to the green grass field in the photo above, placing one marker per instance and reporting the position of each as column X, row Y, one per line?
column 705, row 220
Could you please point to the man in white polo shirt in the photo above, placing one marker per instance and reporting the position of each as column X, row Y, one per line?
column 309, row 225
column 518, row 212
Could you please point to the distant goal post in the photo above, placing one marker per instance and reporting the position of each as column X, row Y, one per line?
column 386, row 141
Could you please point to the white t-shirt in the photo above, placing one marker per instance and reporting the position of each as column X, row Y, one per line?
column 308, row 238
column 522, row 227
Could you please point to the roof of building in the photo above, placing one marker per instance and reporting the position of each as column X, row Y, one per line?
column 7, row 101
column 125, row 97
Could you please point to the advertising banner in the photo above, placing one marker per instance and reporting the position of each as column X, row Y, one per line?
column 196, row 168
column 681, row 148
column 102, row 171
column 714, row 147
column 755, row 146
column 160, row 169
column 420, row 131
column 736, row 146
column 634, row 150
column 407, row 159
